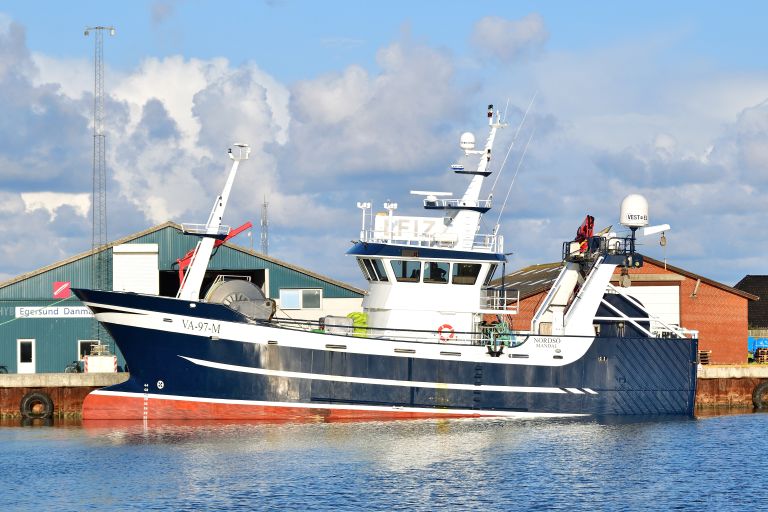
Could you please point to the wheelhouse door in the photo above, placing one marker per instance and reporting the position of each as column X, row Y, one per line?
column 25, row 359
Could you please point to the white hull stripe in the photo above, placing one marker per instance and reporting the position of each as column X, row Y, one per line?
column 365, row 380
column 258, row 403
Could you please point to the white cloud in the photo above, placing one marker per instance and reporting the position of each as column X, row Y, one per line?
column 506, row 40
column 332, row 98
column 174, row 81
column 11, row 204
column 73, row 77
column 353, row 123
column 52, row 201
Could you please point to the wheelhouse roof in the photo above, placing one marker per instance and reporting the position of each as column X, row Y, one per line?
column 406, row 251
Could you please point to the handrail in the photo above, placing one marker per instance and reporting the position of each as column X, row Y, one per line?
column 506, row 301
column 547, row 301
column 679, row 331
column 484, row 242
column 456, row 203
column 203, row 229
column 416, row 335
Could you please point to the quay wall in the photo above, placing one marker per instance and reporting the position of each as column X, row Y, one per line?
column 67, row 390
column 728, row 385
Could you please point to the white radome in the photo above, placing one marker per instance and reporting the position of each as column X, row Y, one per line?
column 634, row 211
column 467, row 141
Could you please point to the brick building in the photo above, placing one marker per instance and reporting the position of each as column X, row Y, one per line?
column 758, row 309
column 757, row 317
column 674, row 295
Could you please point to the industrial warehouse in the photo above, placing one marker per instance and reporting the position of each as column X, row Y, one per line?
column 45, row 328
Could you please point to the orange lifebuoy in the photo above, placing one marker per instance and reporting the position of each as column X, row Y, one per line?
column 449, row 332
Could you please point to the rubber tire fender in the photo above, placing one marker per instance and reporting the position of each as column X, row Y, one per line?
column 757, row 395
column 32, row 398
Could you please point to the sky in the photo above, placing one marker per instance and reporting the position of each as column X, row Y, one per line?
column 346, row 101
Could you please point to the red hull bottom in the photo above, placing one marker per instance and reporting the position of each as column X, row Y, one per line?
column 112, row 407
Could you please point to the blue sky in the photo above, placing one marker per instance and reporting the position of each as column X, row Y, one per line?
column 345, row 101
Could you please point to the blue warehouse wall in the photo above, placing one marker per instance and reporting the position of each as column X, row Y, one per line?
column 28, row 310
column 56, row 334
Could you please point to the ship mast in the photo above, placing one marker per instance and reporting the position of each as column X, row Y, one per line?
column 210, row 232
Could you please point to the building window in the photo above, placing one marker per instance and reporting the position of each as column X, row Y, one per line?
column 436, row 272
column 84, row 347
column 300, row 299
column 465, row 273
column 310, row 299
column 408, row 271
column 25, row 352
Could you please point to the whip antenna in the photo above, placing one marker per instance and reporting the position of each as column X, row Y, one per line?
column 519, row 164
column 514, row 139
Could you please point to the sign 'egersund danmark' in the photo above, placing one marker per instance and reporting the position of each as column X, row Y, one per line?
column 53, row 312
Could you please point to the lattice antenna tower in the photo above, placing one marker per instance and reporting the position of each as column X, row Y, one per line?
column 99, row 258
column 99, row 263
column 265, row 227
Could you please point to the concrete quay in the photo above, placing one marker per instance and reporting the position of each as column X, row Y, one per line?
column 66, row 390
column 729, row 385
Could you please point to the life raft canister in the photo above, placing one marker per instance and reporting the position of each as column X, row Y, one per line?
column 445, row 332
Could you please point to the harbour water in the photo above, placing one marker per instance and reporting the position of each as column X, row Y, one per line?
column 707, row 463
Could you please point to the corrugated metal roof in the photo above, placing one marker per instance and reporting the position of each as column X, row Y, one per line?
column 531, row 280
column 539, row 278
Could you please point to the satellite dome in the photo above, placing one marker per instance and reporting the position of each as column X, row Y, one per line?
column 467, row 141
column 634, row 211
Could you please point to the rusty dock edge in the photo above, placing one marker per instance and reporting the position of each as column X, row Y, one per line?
column 728, row 385
column 66, row 390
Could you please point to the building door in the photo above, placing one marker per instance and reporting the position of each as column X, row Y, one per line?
column 25, row 361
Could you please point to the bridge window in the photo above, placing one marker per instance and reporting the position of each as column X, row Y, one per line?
column 378, row 266
column 408, row 271
column 373, row 270
column 491, row 272
column 436, row 272
column 465, row 273
column 367, row 269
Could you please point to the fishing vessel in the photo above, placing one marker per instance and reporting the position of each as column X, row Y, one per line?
column 433, row 339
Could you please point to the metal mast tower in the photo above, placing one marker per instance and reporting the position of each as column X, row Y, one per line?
column 99, row 265
column 264, row 228
column 99, row 259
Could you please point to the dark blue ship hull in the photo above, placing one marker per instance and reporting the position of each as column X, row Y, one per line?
column 180, row 375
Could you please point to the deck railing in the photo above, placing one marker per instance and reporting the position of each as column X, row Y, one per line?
column 457, row 203
column 482, row 242
column 496, row 300
column 202, row 229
